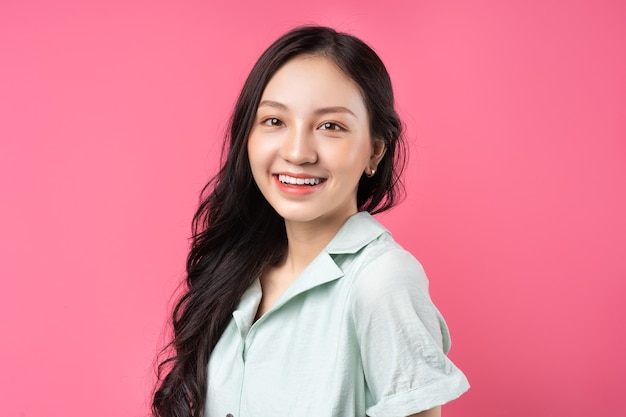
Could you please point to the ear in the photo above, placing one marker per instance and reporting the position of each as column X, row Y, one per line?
column 378, row 151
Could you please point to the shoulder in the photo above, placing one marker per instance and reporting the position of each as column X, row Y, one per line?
column 377, row 270
column 389, row 292
column 387, row 268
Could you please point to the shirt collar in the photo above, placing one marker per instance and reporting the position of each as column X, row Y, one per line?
column 359, row 230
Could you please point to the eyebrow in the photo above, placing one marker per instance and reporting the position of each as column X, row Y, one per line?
column 320, row 111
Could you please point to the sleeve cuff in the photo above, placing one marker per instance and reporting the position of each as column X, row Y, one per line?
column 421, row 399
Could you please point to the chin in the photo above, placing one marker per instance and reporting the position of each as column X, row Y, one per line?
column 298, row 217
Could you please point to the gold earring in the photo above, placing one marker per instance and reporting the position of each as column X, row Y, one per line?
column 371, row 174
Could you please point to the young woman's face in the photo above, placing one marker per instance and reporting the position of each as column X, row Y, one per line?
column 310, row 142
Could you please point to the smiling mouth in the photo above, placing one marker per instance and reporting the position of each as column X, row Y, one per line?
column 287, row 180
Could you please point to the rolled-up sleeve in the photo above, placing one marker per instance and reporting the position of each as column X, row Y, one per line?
column 402, row 337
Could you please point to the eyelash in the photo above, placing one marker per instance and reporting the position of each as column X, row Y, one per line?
column 274, row 121
column 337, row 126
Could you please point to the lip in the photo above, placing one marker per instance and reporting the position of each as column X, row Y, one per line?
column 298, row 189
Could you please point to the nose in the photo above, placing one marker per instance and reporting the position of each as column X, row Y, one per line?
column 298, row 147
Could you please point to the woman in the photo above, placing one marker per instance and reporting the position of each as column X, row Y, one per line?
column 299, row 303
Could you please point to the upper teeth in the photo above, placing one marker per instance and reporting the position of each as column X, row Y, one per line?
column 286, row 179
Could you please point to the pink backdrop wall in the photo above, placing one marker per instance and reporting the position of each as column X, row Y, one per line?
column 110, row 116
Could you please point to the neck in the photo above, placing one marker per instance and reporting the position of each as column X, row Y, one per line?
column 307, row 239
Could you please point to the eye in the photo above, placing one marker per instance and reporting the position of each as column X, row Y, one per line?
column 331, row 126
column 272, row 121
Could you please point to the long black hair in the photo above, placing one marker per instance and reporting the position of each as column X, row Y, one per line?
column 237, row 234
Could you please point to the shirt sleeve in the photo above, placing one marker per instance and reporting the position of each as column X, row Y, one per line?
column 403, row 338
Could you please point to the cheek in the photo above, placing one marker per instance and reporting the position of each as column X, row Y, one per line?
column 352, row 156
column 255, row 153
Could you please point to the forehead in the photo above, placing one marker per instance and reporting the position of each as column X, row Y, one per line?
column 313, row 81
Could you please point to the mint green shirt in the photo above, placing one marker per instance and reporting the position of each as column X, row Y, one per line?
column 356, row 333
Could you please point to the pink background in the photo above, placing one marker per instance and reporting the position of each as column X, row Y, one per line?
column 110, row 119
